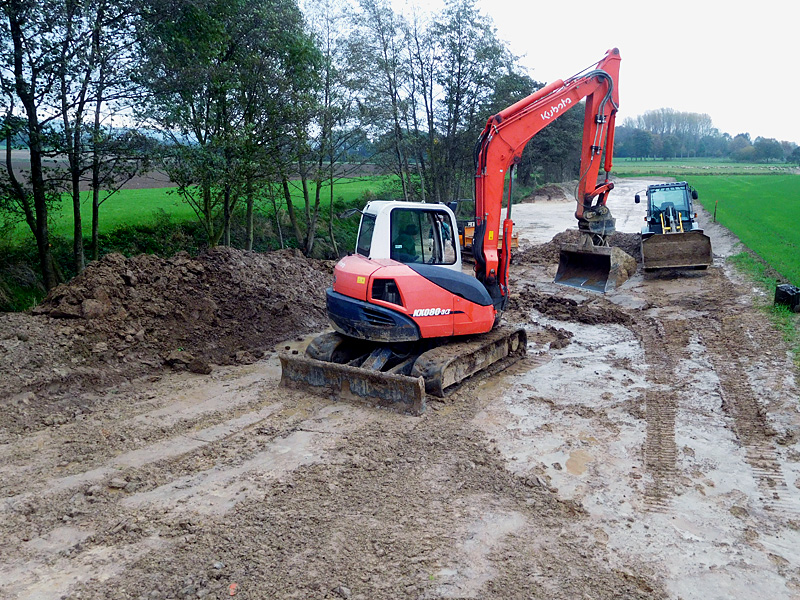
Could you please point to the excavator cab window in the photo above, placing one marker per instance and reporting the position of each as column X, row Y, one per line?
column 422, row 236
column 364, row 241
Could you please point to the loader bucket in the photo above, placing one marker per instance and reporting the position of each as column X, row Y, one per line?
column 585, row 266
column 691, row 249
column 399, row 392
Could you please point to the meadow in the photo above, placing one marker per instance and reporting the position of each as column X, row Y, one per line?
column 683, row 168
column 762, row 211
column 137, row 207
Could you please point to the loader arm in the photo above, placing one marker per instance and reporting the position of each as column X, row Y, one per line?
column 500, row 147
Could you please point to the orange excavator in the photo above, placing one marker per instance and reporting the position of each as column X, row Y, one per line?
column 407, row 320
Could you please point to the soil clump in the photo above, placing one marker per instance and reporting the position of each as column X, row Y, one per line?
column 548, row 253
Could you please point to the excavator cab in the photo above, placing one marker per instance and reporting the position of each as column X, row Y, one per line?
column 409, row 233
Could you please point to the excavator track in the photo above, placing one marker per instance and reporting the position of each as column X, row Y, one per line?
column 447, row 365
column 372, row 373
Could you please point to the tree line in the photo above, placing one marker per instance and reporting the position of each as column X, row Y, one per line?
column 666, row 133
column 246, row 103
column 241, row 102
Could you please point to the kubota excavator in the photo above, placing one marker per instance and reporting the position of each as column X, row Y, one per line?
column 407, row 320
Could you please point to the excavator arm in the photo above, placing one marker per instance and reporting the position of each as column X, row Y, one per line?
column 500, row 148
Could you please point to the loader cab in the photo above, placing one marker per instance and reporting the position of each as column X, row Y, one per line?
column 669, row 208
column 410, row 233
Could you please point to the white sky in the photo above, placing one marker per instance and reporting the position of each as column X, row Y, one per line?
column 735, row 61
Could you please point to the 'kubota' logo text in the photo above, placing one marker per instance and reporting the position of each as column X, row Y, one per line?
column 430, row 312
column 555, row 109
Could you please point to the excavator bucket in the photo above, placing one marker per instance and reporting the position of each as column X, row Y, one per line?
column 596, row 268
column 691, row 249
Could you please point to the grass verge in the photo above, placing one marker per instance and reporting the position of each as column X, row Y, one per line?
column 765, row 277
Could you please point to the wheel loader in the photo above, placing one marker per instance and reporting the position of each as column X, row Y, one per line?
column 671, row 237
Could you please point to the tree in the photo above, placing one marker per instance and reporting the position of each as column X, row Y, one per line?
column 670, row 145
column 379, row 69
column 228, row 83
column 508, row 89
column 116, row 155
column 94, row 69
column 741, row 148
column 337, row 131
column 63, row 59
column 641, row 143
column 768, row 149
column 29, row 44
column 470, row 58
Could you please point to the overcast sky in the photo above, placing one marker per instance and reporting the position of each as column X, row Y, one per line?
column 735, row 61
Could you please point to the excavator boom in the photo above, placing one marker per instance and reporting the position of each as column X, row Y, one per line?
column 500, row 147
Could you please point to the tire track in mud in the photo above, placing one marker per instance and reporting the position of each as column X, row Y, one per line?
column 661, row 407
column 731, row 353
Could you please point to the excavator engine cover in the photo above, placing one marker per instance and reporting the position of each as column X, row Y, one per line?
column 691, row 249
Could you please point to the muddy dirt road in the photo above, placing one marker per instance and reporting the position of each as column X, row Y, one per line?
column 647, row 447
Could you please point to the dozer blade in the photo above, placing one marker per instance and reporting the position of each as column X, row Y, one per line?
column 691, row 249
column 434, row 371
column 400, row 392
column 587, row 267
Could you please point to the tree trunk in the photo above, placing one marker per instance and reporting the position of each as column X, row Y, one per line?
column 96, row 156
column 27, row 97
column 226, row 216
column 77, row 228
column 334, row 245
column 287, row 194
column 248, row 245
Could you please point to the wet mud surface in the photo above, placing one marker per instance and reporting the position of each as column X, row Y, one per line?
column 646, row 447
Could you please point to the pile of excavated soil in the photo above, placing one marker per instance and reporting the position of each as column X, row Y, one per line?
column 548, row 253
column 125, row 317
column 548, row 193
column 593, row 312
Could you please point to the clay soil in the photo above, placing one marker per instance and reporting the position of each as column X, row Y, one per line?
column 647, row 446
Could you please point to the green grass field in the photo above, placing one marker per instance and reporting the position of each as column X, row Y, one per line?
column 682, row 168
column 142, row 206
column 762, row 211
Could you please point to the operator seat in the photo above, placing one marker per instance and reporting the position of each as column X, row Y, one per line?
column 404, row 248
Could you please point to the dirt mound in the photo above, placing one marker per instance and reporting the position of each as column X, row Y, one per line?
column 125, row 317
column 548, row 253
column 213, row 306
column 592, row 312
column 548, row 193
